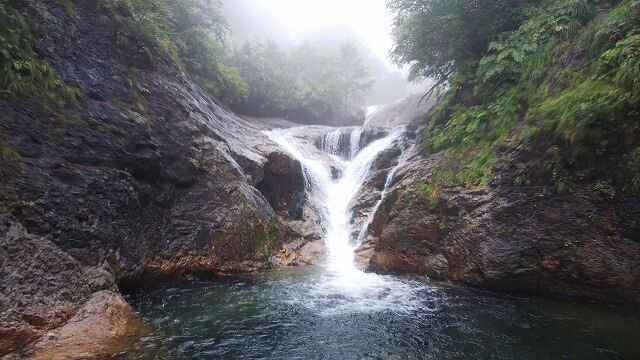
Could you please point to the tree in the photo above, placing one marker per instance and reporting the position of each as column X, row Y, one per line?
column 438, row 37
column 317, row 80
column 267, row 71
column 354, row 73
column 192, row 32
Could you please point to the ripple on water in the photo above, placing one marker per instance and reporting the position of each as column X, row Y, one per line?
column 313, row 314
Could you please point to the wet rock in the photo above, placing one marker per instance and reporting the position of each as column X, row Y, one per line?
column 346, row 118
column 147, row 180
column 99, row 328
column 283, row 185
column 521, row 239
column 402, row 112
column 386, row 159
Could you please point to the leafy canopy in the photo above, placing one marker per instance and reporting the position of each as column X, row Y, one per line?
column 305, row 84
column 436, row 37
column 354, row 73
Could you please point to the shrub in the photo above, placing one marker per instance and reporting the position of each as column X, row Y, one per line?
column 605, row 190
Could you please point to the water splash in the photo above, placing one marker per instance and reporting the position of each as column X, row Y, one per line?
column 344, row 287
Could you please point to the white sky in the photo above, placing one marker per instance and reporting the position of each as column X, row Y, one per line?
column 369, row 18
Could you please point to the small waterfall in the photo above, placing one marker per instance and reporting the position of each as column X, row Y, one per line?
column 344, row 142
column 333, row 197
column 387, row 183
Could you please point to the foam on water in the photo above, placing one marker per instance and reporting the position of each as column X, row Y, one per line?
column 344, row 288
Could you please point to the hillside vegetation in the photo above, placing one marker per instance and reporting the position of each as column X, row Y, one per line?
column 256, row 78
column 561, row 78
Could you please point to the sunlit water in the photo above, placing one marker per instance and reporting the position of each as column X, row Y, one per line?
column 338, row 312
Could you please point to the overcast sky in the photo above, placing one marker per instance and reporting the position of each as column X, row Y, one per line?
column 369, row 18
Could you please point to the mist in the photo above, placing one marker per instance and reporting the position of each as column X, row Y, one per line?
column 325, row 25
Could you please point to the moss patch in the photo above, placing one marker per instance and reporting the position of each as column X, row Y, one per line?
column 265, row 239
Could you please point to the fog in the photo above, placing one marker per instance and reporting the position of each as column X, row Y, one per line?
column 325, row 24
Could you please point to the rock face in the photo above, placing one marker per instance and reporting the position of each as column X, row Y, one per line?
column 402, row 112
column 511, row 238
column 283, row 185
column 146, row 180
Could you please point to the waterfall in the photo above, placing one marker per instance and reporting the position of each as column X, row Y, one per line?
column 334, row 196
column 345, row 288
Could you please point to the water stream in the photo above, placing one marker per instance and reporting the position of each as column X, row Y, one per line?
column 338, row 312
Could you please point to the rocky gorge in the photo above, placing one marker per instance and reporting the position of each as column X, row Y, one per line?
column 148, row 181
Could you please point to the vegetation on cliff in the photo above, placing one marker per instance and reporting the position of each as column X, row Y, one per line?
column 563, row 75
column 22, row 72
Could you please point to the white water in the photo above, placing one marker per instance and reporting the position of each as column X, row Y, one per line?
column 345, row 288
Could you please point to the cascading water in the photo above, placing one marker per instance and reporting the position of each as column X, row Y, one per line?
column 344, row 286
column 338, row 312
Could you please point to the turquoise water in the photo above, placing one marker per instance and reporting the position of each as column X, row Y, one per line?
column 305, row 314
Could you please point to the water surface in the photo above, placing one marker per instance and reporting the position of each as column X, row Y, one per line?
column 338, row 312
column 314, row 314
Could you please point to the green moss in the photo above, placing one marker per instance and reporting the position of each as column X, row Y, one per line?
column 592, row 215
column 23, row 73
column 68, row 8
column 195, row 163
column 7, row 153
column 605, row 190
column 138, row 102
column 521, row 180
column 265, row 239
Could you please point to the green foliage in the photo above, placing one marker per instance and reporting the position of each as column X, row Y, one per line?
column 191, row 32
column 525, row 53
column 478, row 171
column 22, row 72
column 428, row 190
column 143, row 29
column 605, row 190
column 588, row 114
column 622, row 63
column 615, row 25
column 271, row 83
column 304, row 84
column 265, row 239
column 529, row 82
column 436, row 37
column 353, row 74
